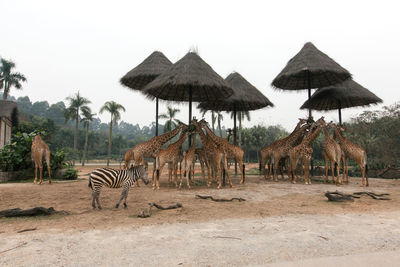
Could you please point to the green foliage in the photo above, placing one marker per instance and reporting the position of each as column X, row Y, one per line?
column 71, row 174
column 16, row 155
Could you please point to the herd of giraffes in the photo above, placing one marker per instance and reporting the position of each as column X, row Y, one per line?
column 295, row 149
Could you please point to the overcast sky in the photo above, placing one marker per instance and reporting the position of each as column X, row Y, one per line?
column 66, row 46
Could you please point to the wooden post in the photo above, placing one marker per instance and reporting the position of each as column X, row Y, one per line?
column 190, row 119
column 156, row 116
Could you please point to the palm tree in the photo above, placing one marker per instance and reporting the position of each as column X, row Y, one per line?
column 86, row 120
column 76, row 104
column 241, row 115
column 170, row 115
column 9, row 78
column 213, row 117
column 113, row 108
column 219, row 119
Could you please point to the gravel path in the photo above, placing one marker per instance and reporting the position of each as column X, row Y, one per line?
column 310, row 240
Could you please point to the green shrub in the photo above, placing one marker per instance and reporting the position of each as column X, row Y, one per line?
column 71, row 174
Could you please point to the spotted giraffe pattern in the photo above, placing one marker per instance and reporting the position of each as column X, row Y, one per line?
column 217, row 161
column 332, row 152
column 303, row 152
column 351, row 151
column 232, row 151
column 267, row 151
column 40, row 149
column 171, row 155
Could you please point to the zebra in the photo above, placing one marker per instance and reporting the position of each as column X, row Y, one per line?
column 115, row 179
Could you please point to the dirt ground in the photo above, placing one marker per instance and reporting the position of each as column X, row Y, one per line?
column 280, row 211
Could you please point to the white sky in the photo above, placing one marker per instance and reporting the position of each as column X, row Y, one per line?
column 66, row 46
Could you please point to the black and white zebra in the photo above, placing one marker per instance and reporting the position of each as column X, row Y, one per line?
column 115, row 179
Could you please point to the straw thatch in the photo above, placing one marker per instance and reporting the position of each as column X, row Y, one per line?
column 310, row 61
column 147, row 71
column 7, row 108
column 344, row 95
column 245, row 97
column 190, row 73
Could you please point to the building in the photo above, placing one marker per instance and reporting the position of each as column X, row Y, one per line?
column 7, row 108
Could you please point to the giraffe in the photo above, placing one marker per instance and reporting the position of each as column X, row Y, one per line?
column 354, row 151
column 303, row 152
column 232, row 151
column 171, row 155
column 201, row 156
column 40, row 149
column 150, row 148
column 215, row 156
column 332, row 152
column 188, row 161
column 281, row 150
column 267, row 151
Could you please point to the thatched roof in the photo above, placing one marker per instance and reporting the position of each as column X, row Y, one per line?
column 245, row 97
column 344, row 95
column 189, row 73
column 147, row 71
column 7, row 108
column 323, row 70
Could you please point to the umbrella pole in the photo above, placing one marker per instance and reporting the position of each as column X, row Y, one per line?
column 340, row 113
column 156, row 116
column 190, row 119
column 234, row 135
column 309, row 113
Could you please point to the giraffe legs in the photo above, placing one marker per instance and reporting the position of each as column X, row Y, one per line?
column 48, row 165
column 36, row 169
column 307, row 177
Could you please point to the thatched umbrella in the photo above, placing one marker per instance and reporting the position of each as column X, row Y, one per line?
column 343, row 95
column 310, row 68
column 245, row 98
column 189, row 79
column 146, row 72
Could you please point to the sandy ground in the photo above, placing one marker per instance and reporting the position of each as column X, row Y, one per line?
column 279, row 223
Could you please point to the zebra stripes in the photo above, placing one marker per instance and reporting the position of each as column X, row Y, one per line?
column 115, row 179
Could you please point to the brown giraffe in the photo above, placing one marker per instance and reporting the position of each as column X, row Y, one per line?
column 281, row 150
column 150, row 148
column 303, row 152
column 332, row 152
column 354, row 151
column 188, row 161
column 215, row 156
column 267, row 151
column 232, row 151
column 171, row 155
column 201, row 156
column 40, row 149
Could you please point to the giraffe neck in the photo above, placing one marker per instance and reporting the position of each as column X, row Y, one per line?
column 162, row 139
column 295, row 135
column 326, row 132
column 203, row 137
column 213, row 136
column 311, row 137
column 338, row 134
column 193, row 147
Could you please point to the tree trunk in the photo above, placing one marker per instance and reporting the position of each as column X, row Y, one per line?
column 5, row 92
column 75, row 136
column 109, row 143
column 86, row 144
